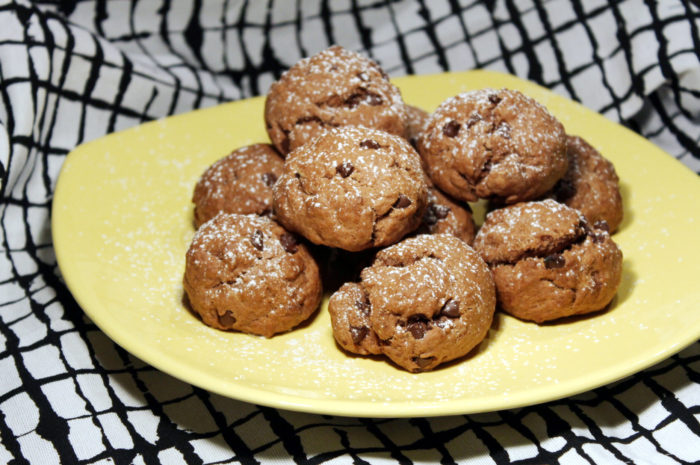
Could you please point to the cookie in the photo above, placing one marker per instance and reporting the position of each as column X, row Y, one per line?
column 241, row 183
column 416, row 121
column 548, row 261
column 247, row 273
column 424, row 301
column 590, row 184
column 447, row 216
column 335, row 87
column 352, row 188
column 493, row 144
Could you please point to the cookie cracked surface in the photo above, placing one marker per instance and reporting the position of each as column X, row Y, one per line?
column 493, row 144
column 424, row 301
column 352, row 188
column 548, row 261
column 247, row 273
column 333, row 88
column 590, row 184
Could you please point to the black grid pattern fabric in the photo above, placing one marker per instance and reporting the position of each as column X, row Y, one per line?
column 76, row 70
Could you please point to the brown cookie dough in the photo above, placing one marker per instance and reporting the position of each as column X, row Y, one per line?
column 335, row 87
column 548, row 262
column 424, row 301
column 241, row 183
column 245, row 272
column 590, row 185
column 416, row 121
column 493, row 144
column 447, row 216
column 353, row 188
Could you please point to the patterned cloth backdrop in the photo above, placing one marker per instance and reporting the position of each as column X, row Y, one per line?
column 73, row 71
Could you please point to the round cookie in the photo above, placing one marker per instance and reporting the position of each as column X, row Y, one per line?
column 335, row 87
column 353, row 188
column 246, row 273
column 493, row 144
column 241, row 182
column 446, row 216
column 548, row 262
column 424, row 301
column 590, row 185
column 416, row 121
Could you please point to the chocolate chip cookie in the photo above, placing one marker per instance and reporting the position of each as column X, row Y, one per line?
column 548, row 261
column 335, row 87
column 353, row 188
column 246, row 273
column 493, row 144
column 590, row 184
column 241, row 183
column 447, row 216
column 424, row 301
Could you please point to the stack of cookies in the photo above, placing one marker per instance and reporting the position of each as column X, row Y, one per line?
column 368, row 197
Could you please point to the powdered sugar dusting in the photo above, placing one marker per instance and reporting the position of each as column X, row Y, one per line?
column 528, row 215
column 238, row 183
column 335, row 87
column 500, row 142
column 315, row 194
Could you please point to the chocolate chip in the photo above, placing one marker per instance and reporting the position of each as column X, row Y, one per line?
column 451, row 129
column 441, row 211
column 473, row 119
column 358, row 333
column 363, row 306
column 357, row 98
column 269, row 179
column 345, row 169
column 554, row 261
column 227, row 319
column 374, row 99
column 402, row 202
column 289, row 243
column 503, row 130
column 423, row 362
column 309, row 119
column 417, row 328
column 257, row 239
column 450, row 309
column 441, row 322
column 362, row 76
column 353, row 100
column 369, row 144
column 495, row 99
column 435, row 212
column 598, row 237
column 602, row 224
column 429, row 217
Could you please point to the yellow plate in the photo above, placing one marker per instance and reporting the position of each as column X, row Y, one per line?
column 122, row 221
